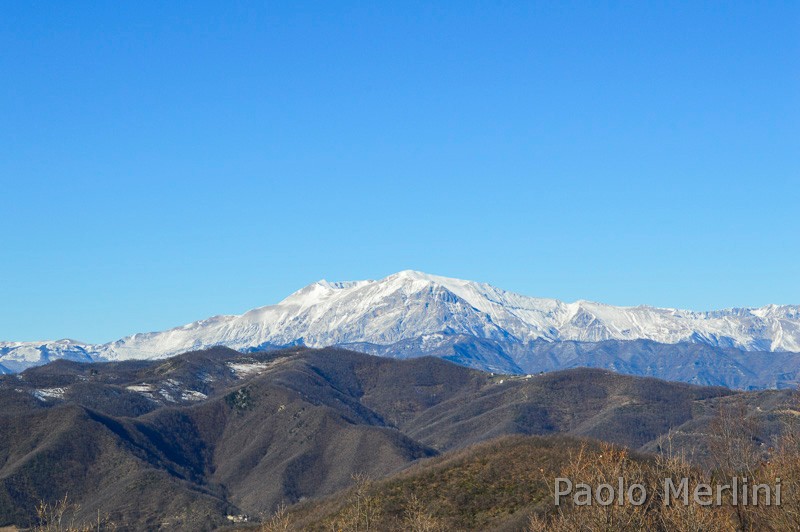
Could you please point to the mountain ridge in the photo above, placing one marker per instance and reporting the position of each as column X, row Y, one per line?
column 412, row 306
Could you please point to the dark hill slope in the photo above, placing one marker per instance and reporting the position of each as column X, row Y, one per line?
column 447, row 406
column 222, row 432
column 104, row 464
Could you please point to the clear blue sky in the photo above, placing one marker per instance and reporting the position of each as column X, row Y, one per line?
column 162, row 162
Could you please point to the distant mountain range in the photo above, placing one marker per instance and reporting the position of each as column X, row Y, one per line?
column 410, row 314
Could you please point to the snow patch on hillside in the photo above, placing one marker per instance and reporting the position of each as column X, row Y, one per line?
column 43, row 394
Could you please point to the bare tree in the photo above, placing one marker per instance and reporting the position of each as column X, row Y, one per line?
column 364, row 508
column 736, row 451
column 416, row 518
column 279, row 521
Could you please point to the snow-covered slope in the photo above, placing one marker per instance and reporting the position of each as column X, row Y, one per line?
column 413, row 305
column 17, row 356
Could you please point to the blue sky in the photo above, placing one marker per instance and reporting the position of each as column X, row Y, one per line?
column 163, row 162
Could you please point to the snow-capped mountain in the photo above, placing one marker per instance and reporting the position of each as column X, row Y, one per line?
column 427, row 311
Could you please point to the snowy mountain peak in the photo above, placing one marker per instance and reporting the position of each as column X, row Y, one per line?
column 415, row 275
column 416, row 306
